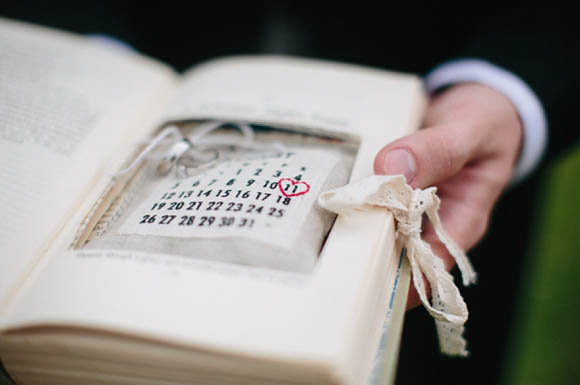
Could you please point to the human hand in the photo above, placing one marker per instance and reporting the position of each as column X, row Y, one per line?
column 467, row 149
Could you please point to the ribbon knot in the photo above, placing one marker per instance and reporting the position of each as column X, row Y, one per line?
column 409, row 207
column 409, row 229
column 409, row 222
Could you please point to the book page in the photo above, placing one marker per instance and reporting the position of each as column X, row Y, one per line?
column 314, row 319
column 65, row 102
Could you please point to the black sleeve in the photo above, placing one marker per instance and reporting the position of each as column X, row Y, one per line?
column 543, row 49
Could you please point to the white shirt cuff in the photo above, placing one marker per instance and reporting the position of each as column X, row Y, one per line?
column 516, row 90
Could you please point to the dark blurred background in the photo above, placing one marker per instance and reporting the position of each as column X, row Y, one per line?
column 540, row 46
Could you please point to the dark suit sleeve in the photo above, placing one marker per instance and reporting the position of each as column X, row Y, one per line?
column 543, row 49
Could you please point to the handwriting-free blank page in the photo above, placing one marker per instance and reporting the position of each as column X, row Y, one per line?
column 64, row 102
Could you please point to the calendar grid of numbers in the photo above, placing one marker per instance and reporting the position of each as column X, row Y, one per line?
column 266, row 198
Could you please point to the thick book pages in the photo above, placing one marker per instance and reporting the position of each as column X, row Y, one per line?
column 97, row 312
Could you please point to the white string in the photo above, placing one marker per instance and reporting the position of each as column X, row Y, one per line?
column 183, row 145
column 165, row 133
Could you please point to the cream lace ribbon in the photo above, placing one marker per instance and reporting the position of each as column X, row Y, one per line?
column 408, row 206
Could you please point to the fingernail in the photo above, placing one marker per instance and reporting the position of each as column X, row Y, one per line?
column 399, row 161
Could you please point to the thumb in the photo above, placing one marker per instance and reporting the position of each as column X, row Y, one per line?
column 428, row 156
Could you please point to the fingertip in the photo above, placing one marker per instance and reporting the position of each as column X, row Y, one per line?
column 396, row 161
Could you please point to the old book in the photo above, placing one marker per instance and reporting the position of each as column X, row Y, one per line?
column 218, row 266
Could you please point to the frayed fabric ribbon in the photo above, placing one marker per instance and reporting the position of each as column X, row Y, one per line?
column 408, row 206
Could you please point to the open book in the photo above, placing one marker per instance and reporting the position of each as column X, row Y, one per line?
column 203, row 257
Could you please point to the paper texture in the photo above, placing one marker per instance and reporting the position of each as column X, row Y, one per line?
column 61, row 101
column 307, row 95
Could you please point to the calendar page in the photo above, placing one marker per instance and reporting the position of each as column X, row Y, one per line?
column 266, row 198
column 250, row 207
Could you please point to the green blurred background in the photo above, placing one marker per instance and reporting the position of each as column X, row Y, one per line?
column 545, row 340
